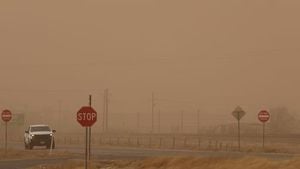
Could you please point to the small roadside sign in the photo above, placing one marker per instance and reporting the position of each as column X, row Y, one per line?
column 238, row 113
column 86, row 116
column 6, row 115
column 263, row 116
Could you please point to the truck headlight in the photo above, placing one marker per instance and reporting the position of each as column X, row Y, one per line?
column 32, row 135
column 51, row 134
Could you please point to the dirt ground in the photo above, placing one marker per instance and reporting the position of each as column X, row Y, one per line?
column 183, row 163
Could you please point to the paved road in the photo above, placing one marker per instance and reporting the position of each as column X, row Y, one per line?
column 127, row 153
column 139, row 153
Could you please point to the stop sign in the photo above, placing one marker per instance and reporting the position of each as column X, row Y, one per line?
column 6, row 115
column 263, row 116
column 86, row 116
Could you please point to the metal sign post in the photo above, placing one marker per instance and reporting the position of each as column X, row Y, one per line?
column 239, row 135
column 239, row 113
column 263, row 144
column 90, row 130
column 263, row 116
column 5, row 137
column 86, row 148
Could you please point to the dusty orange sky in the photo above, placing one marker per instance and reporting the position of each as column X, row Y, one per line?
column 206, row 54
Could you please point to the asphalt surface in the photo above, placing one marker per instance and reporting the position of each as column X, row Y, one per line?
column 140, row 153
column 111, row 153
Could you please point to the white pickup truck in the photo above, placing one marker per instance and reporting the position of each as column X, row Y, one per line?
column 39, row 135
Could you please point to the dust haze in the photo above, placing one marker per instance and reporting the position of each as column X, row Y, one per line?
column 193, row 55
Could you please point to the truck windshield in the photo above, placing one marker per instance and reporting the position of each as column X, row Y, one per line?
column 40, row 128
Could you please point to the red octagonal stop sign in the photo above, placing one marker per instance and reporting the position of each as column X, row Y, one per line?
column 86, row 116
column 263, row 116
column 6, row 115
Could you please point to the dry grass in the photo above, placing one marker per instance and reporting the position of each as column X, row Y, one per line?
column 30, row 154
column 218, row 163
column 79, row 164
column 184, row 163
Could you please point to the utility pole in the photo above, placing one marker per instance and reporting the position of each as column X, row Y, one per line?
column 181, row 121
column 159, row 121
column 198, row 121
column 60, row 116
column 138, row 122
column 152, row 119
column 106, row 110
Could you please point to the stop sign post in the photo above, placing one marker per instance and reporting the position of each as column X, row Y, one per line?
column 6, row 116
column 86, row 117
column 263, row 116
